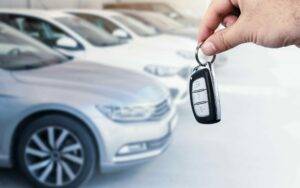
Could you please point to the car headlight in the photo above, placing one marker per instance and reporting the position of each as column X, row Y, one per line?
column 162, row 71
column 126, row 113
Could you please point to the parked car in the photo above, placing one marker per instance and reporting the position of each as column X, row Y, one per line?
column 60, row 119
column 159, row 7
column 160, row 33
column 78, row 38
column 163, row 24
column 135, row 31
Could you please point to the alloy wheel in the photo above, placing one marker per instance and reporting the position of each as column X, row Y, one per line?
column 54, row 156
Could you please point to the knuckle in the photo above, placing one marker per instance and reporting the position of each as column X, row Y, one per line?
column 223, row 41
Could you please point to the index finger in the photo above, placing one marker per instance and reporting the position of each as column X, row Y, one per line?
column 213, row 17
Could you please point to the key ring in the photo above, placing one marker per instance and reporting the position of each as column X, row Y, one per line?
column 203, row 60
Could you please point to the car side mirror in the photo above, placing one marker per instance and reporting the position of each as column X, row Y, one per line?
column 66, row 43
column 121, row 34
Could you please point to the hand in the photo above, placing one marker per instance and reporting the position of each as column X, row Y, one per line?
column 270, row 23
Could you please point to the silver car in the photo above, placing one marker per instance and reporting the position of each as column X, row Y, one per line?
column 60, row 119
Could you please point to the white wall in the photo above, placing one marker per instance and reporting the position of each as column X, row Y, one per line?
column 191, row 7
column 50, row 4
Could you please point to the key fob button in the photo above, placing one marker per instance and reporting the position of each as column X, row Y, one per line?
column 199, row 84
column 200, row 96
column 202, row 110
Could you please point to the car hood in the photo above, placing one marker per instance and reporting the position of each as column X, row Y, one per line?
column 136, row 56
column 172, row 43
column 105, row 82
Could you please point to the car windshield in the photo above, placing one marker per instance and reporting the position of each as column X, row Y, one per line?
column 19, row 52
column 159, row 21
column 136, row 26
column 89, row 32
column 167, row 10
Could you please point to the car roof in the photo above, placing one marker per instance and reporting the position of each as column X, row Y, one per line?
column 138, row 12
column 149, row 14
column 36, row 12
column 94, row 11
column 135, row 11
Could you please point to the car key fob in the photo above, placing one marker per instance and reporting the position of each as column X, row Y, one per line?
column 204, row 93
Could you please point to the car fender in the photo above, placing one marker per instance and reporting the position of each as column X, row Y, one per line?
column 57, row 108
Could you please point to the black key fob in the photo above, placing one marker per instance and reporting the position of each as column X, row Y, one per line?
column 204, row 93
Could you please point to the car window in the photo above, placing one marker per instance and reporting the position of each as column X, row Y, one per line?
column 88, row 31
column 162, row 8
column 99, row 21
column 160, row 21
column 104, row 24
column 40, row 30
column 166, row 10
column 17, row 51
column 136, row 26
column 139, row 18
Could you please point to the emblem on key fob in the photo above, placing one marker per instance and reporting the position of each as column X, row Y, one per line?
column 204, row 93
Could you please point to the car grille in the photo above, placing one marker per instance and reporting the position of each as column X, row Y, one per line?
column 161, row 110
column 185, row 72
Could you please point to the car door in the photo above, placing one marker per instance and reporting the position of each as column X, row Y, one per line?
column 46, row 33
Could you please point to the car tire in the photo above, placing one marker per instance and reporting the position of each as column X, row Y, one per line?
column 56, row 151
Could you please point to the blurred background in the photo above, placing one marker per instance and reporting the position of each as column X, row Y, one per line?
column 190, row 7
column 256, row 145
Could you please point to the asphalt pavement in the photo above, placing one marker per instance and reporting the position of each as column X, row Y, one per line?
column 255, row 146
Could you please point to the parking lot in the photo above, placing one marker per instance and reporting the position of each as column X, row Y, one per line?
column 255, row 146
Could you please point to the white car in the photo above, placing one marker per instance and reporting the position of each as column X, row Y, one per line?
column 76, row 37
column 135, row 31
column 163, row 24
column 158, row 7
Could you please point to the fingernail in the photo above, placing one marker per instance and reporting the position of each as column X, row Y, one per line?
column 208, row 48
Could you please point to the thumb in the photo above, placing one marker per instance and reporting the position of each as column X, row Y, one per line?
column 223, row 40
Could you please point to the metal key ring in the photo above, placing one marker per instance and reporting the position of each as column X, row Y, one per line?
column 204, row 61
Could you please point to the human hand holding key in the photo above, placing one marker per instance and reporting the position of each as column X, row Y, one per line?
column 270, row 23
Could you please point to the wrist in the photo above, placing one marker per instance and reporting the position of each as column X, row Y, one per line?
column 296, row 23
column 298, row 35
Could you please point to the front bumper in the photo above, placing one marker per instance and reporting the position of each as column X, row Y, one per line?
column 137, row 159
column 155, row 134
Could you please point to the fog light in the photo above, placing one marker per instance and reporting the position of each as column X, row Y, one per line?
column 133, row 148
